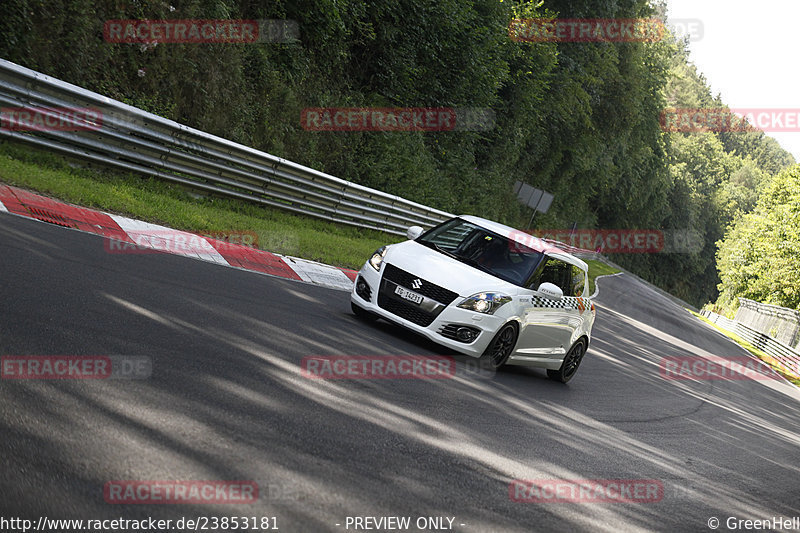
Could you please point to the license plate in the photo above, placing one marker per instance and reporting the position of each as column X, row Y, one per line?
column 408, row 295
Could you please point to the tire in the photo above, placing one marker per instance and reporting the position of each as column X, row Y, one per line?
column 362, row 313
column 570, row 364
column 501, row 347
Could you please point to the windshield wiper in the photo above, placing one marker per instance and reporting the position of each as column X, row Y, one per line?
column 438, row 248
column 474, row 263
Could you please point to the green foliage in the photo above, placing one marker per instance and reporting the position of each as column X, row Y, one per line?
column 759, row 258
column 713, row 180
column 580, row 120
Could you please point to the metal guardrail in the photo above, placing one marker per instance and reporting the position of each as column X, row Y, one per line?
column 787, row 356
column 133, row 140
column 722, row 321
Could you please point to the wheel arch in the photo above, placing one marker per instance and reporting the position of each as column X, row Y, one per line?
column 517, row 323
column 583, row 337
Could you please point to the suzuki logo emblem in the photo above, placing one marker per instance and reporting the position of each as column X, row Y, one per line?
column 416, row 284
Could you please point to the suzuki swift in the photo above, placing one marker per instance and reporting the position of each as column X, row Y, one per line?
column 485, row 290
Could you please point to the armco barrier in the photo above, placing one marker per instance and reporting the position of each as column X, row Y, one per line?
column 786, row 355
column 723, row 322
column 133, row 140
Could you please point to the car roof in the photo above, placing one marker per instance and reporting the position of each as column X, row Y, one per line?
column 526, row 239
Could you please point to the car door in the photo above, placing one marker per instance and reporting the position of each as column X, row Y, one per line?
column 549, row 324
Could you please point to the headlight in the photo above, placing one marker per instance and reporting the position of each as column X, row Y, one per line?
column 377, row 258
column 485, row 302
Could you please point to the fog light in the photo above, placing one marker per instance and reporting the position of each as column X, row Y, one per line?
column 465, row 334
column 363, row 289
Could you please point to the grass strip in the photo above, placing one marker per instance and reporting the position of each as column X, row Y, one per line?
column 178, row 207
column 598, row 268
column 768, row 359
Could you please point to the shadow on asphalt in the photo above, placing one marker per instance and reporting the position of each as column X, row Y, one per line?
column 226, row 401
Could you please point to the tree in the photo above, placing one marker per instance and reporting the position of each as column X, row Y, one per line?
column 759, row 258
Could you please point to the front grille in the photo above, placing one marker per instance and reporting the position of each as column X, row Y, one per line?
column 409, row 311
column 428, row 289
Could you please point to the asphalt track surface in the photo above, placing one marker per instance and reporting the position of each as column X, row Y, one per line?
column 226, row 401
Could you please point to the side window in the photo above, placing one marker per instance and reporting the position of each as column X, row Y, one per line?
column 578, row 280
column 556, row 272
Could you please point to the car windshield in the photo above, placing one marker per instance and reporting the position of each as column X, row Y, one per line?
column 484, row 250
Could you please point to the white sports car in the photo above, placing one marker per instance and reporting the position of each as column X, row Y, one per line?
column 485, row 290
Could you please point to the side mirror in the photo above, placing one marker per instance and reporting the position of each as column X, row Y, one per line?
column 413, row 232
column 551, row 290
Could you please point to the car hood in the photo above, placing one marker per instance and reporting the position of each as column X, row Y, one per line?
column 444, row 271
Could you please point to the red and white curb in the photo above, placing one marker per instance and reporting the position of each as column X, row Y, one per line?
column 148, row 235
column 138, row 234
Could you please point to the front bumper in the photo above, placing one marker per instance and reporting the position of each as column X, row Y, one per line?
column 432, row 318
